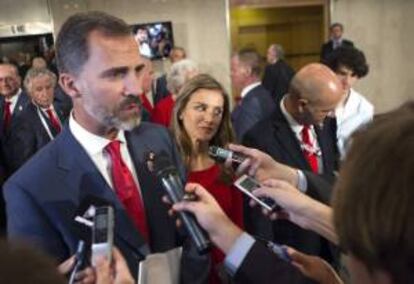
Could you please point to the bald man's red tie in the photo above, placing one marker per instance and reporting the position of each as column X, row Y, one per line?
column 7, row 115
column 126, row 188
column 53, row 120
column 308, row 151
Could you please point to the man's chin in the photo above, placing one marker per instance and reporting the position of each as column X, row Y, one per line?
column 129, row 124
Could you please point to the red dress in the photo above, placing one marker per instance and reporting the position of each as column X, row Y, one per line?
column 162, row 111
column 229, row 199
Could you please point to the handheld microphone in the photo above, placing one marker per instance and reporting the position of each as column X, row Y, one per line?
column 221, row 155
column 165, row 170
column 79, row 260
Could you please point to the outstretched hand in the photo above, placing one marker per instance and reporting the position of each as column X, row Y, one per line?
column 262, row 166
column 210, row 216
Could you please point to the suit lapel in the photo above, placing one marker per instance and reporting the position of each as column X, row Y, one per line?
column 288, row 141
column 161, row 226
column 21, row 103
column 327, row 145
column 81, row 174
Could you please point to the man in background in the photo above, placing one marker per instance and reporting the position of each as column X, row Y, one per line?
column 161, row 90
column 354, row 110
column 40, row 122
column 336, row 40
column 278, row 73
column 256, row 103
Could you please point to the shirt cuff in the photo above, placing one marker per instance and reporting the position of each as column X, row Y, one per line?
column 302, row 182
column 238, row 252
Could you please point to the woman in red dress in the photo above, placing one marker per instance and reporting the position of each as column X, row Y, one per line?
column 201, row 118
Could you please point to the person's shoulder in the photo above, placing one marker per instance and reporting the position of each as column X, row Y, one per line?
column 362, row 102
column 347, row 42
column 151, row 132
column 37, row 169
column 327, row 43
column 257, row 128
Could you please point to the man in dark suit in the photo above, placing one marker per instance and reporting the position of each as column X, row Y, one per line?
column 300, row 135
column 336, row 40
column 100, row 157
column 277, row 73
column 12, row 103
column 12, row 98
column 256, row 102
column 39, row 123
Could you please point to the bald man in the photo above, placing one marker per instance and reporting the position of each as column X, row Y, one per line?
column 301, row 135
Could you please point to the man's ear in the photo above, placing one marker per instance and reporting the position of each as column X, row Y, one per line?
column 67, row 83
column 302, row 103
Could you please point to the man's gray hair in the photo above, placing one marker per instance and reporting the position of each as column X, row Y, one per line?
column 36, row 72
column 178, row 74
column 280, row 52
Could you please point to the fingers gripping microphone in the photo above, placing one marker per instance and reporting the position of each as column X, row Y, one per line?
column 174, row 187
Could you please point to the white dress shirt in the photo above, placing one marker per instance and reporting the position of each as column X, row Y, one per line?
column 248, row 88
column 94, row 146
column 43, row 120
column 356, row 112
column 13, row 100
column 297, row 129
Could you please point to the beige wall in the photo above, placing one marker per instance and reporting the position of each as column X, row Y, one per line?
column 383, row 30
column 199, row 26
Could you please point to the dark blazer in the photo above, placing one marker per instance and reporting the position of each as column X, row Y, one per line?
column 22, row 102
column 160, row 91
column 27, row 136
column 276, row 79
column 275, row 137
column 45, row 194
column 262, row 266
column 255, row 106
column 327, row 47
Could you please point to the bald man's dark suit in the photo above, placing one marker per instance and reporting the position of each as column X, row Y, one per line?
column 275, row 137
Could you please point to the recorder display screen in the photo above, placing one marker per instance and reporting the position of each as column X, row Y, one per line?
column 249, row 184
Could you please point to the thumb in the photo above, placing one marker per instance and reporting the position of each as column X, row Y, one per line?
column 67, row 265
column 103, row 270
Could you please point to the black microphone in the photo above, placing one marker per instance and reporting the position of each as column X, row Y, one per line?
column 167, row 172
column 221, row 155
column 79, row 260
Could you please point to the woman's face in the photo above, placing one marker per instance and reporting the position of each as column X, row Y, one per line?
column 202, row 115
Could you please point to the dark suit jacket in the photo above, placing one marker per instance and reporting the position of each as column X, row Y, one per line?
column 276, row 79
column 327, row 47
column 264, row 267
column 255, row 106
column 27, row 136
column 160, row 91
column 45, row 194
column 275, row 137
column 22, row 102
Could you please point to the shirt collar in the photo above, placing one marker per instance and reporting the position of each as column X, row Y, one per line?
column 93, row 144
column 13, row 99
column 296, row 127
column 248, row 88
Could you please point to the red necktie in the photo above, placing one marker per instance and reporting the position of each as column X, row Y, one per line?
column 126, row 189
column 308, row 151
column 6, row 115
column 53, row 120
